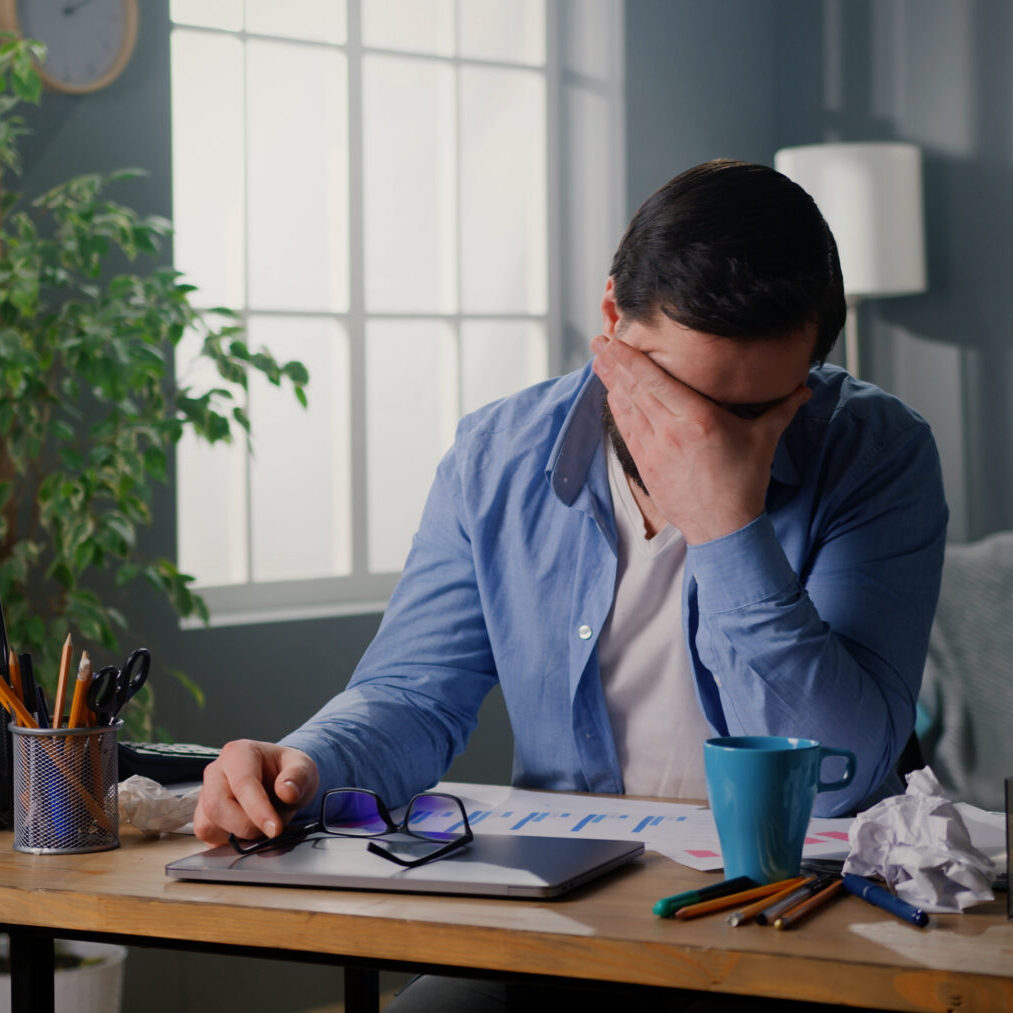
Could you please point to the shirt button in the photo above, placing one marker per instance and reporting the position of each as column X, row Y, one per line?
column 584, row 631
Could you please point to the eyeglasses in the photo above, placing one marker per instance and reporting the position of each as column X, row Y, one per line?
column 357, row 812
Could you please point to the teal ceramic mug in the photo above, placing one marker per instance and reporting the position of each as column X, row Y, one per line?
column 762, row 789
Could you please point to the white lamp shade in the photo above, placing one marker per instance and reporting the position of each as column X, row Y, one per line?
column 871, row 196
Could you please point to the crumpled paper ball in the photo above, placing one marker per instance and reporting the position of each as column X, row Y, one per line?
column 154, row 809
column 918, row 842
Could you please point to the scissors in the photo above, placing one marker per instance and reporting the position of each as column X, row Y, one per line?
column 112, row 687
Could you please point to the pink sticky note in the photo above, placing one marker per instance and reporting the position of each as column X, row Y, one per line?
column 702, row 853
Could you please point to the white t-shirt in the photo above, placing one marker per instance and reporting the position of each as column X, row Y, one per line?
column 646, row 674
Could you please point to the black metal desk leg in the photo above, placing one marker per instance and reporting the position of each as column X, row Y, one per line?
column 31, row 971
column 362, row 990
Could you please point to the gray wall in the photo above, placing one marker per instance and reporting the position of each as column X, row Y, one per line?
column 704, row 78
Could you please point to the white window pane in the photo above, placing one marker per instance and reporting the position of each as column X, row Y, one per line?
column 589, row 238
column 512, row 30
column 207, row 165
column 298, row 177
column 210, row 486
column 588, row 33
column 419, row 26
column 227, row 14
column 300, row 472
column 499, row 357
column 411, row 410
column 316, row 20
column 409, row 185
column 503, row 191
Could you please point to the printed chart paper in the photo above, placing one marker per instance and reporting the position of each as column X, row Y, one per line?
column 684, row 833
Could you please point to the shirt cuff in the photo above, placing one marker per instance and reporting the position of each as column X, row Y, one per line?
column 740, row 569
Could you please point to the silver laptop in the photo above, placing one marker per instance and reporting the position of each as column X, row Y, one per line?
column 491, row 865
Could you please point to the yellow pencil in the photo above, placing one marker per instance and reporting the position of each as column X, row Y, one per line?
column 79, row 704
column 61, row 681
column 734, row 899
column 16, row 707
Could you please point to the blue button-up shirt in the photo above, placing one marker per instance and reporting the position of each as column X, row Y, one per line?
column 811, row 621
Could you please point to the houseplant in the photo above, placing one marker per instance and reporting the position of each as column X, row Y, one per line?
column 90, row 409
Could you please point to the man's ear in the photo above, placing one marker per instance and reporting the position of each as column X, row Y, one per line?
column 610, row 315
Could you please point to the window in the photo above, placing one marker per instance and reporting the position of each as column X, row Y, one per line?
column 377, row 187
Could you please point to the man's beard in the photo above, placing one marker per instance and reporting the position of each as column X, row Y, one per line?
column 629, row 466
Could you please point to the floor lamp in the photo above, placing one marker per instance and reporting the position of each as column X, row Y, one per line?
column 870, row 193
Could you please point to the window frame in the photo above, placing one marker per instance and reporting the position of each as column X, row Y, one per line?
column 362, row 591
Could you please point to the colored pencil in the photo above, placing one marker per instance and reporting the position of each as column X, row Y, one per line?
column 734, row 899
column 61, row 681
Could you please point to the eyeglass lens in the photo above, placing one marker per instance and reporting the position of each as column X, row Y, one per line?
column 358, row 813
column 355, row 813
column 435, row 818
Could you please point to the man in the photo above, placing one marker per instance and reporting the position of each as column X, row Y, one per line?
column 730, row 542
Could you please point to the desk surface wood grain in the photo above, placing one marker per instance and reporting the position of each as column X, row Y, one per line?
column 847, row 952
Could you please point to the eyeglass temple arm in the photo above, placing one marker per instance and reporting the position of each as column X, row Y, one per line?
column 378, row 849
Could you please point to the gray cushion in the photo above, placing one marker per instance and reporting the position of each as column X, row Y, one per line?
column 966, row 730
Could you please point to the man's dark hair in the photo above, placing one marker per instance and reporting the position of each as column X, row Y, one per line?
column 733, row 249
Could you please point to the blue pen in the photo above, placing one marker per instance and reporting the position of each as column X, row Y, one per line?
column 882, row 897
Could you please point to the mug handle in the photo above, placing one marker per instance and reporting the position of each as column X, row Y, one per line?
column 849, row 770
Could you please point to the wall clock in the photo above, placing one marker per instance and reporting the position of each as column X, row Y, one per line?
column 88, row 42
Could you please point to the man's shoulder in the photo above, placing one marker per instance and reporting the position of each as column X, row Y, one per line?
column 841, row 403
column 531, row 418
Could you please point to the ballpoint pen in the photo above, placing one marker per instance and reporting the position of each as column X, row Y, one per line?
column 790, row 887
column 667, row 906
column 800, row 911
column 881, row 897
column 770, row 914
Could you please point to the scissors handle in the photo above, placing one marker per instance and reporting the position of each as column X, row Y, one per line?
column 104, row 693
column 112, row 687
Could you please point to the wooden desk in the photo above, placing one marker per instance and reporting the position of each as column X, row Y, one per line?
column 848, row 951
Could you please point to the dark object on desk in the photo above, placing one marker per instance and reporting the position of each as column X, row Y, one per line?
column 492, row 865
column 28, row 691
column 165, row 762
column 1009, row 845
column 6, row 740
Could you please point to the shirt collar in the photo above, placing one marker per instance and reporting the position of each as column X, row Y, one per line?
column 579, row 439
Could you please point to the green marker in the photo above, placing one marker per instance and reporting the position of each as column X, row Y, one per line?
column 667, row 906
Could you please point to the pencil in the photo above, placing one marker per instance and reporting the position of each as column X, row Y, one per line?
column 748, row 913
column 61, row 681
column 79, row 704
column 799, row 911
column 734, row 899
column 16, row 707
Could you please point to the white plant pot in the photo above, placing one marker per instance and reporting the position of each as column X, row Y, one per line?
column 91, row 988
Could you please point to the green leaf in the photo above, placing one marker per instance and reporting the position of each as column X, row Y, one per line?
column 296, row 372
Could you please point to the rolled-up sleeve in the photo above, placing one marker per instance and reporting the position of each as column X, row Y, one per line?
column 825, row 637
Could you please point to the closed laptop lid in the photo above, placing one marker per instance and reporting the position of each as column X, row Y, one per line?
column 491, row 865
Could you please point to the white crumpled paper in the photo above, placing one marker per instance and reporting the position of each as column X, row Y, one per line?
column 918, row 842
column 154, row 809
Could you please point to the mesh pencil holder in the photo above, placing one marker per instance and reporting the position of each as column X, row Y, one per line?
column 65, row 798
